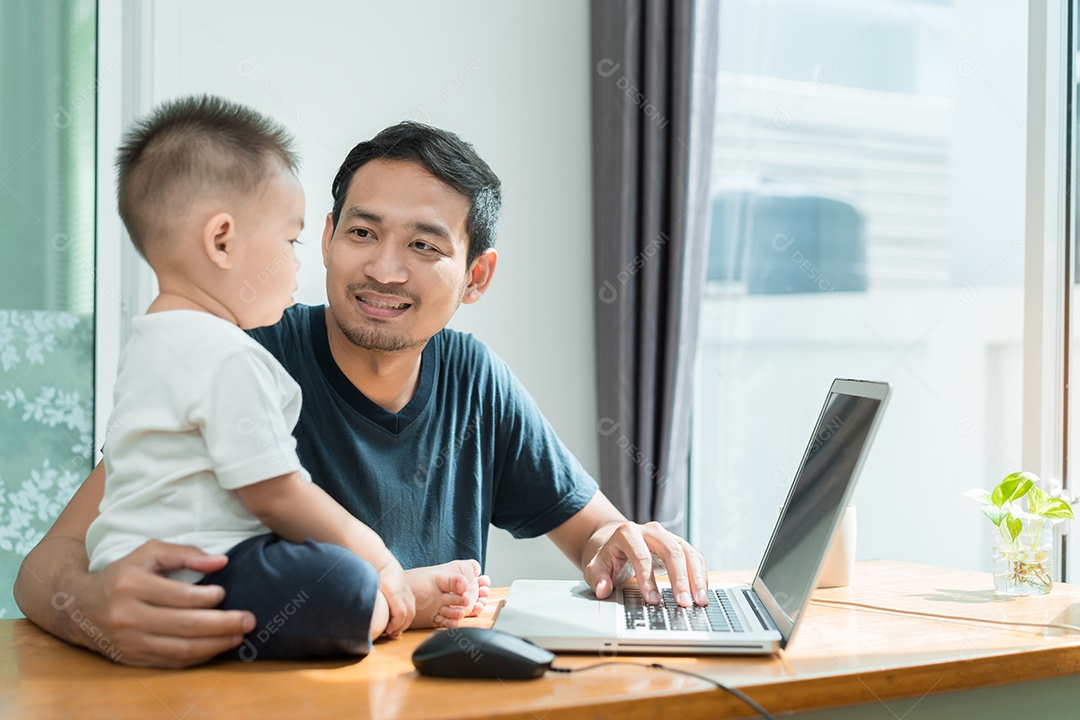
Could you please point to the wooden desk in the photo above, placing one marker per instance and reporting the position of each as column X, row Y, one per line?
column 842, row 656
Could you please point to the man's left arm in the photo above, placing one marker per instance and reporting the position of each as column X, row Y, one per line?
column 608, row 548
column 540, row 480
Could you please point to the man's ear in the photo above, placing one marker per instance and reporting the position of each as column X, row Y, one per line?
column 327, row 236
column 480, row 274
column 219, row 240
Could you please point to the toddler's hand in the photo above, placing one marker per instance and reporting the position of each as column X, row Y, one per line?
column 399, row 596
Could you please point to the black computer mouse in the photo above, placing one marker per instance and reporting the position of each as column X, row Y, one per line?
column 473, row 652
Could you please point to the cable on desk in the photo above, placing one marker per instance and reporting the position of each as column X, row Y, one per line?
column 897, row 611
column 734, row 691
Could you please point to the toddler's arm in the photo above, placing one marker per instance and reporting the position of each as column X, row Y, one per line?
column 299, row 510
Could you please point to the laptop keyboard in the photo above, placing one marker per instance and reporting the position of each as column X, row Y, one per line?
column 718, row 616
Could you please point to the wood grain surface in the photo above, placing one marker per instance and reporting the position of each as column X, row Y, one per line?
column 841, row 656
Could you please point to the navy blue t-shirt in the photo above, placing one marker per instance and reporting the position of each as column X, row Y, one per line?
column 471, row 448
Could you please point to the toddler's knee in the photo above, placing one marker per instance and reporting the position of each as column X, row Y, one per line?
column 332, row 566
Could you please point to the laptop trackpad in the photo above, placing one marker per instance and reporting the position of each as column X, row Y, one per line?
column 555, row 608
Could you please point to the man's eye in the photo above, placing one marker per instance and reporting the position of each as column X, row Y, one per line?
column 361, row 232
column 424, row 247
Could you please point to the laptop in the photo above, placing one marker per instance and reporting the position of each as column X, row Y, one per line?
column 755, row 619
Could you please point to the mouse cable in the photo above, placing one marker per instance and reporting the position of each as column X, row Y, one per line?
column 897, row 611
column 734, row 691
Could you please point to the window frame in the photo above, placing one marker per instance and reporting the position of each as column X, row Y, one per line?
column 1047, row 263
column 124, row 283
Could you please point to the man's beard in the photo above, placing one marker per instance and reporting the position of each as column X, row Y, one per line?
column 377, row 339
column 373, row 337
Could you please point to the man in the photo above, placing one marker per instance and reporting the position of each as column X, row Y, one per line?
column 418, row 431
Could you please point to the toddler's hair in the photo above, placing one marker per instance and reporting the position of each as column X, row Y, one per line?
column 192, row 145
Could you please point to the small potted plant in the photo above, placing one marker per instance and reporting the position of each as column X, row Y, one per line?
column 1023, row 538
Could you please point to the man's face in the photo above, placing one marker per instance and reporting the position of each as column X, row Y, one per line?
column 396, row 262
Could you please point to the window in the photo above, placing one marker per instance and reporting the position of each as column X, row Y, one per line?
column 47, row 279
column 868, row 221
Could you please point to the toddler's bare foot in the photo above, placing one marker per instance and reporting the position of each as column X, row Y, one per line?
column 447, row 593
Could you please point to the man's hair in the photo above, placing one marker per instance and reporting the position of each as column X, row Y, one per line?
column 194, row 144
column 444, row 155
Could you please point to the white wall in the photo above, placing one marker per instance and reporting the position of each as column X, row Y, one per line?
column 512, row 78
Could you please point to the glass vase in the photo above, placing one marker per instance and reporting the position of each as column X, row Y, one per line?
column 1024, row 565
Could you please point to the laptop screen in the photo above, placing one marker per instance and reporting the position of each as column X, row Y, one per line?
column 820, row 492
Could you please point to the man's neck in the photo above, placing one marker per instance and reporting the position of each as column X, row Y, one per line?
column 387, row 379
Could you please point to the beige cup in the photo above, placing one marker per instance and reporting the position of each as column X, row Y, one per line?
column 840, row 557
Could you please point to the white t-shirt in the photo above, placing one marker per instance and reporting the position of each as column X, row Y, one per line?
column 200, row 410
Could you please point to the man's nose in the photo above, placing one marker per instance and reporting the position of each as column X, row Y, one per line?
column 386, row 264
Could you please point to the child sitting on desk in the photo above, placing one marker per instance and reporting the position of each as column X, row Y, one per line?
column 200, row 449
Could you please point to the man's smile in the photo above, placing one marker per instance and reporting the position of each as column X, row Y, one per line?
column 381, row 306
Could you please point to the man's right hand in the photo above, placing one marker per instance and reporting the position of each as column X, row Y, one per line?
column 129, row 611
column 149, row 620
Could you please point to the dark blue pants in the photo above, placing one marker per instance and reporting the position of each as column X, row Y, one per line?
column 309, row 600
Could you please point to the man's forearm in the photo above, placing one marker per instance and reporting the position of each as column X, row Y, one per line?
column 582, row 536
column 47, row 587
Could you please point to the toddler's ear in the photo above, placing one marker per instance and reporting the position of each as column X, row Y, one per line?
column 219, row 240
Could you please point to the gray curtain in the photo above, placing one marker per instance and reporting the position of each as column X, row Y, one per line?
column 654, row 76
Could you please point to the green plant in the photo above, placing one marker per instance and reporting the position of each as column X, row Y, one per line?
column 1023, row 548
column 1000, row 504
